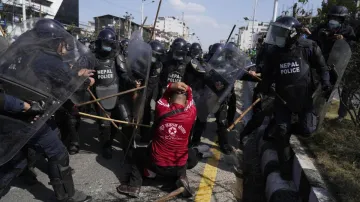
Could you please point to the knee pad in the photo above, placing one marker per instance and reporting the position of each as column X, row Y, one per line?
column 61, row 177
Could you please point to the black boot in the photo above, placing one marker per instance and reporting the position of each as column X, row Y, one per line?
column 62, row 181
column 223, row 141
column 107, row 150
column 73, row 148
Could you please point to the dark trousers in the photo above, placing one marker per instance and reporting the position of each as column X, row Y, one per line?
column 45, row 141
column 122, row 111
column 344, row 101
column 305, row 126
column 261, row 110
column 198, row 131
column 147, row 116
column 141, row 159
column 222, row 123
column 68, row 125
column 232, row 107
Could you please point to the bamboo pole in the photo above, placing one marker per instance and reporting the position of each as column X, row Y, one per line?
column 114, row 120
column 243, row 115
column 171, row 195
column 102, row 108
column 110, row 96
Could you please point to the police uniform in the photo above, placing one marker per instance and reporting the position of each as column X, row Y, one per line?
column 290, row 69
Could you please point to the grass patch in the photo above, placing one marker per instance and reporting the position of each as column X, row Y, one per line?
column 337, row 154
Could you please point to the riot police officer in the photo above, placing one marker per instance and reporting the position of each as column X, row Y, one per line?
column 175, row 63
column 158, row 52
column 335, row 28
column 123, row 47
column 326, row 35
column 221, row 116
column 109, row 69
column 54, row 50
column 195, row 51
column 289, row 67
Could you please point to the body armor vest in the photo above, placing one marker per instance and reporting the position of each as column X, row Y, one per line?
column 106, row 82
column 293, row 78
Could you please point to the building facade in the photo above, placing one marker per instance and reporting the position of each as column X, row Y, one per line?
column 64, row 11
column 248, row 35
column 123, row 27
column 170, row 28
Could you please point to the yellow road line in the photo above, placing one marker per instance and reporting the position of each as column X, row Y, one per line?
column 208, row 178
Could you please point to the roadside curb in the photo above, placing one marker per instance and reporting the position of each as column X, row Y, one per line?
column 307, row 184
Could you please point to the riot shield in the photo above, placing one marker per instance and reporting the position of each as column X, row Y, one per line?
column 41, row 65
column 338, row 60
column 139, row 62
column 223, row 69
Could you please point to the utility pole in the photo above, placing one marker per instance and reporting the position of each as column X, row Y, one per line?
column 276, row 4
column 253, row 21
column 31, row 11
column 142, row 15
column 24, row 13
column 183, row 24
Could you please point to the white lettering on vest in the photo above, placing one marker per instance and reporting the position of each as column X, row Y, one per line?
column 289, row 68
column 105, row 74
column 174, row 78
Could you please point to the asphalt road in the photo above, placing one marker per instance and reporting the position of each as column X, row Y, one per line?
column 212, row 179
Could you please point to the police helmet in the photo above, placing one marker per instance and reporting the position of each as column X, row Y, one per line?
column 158, row 50
column 188, row 46
column 47, row 28
column 231, row 45
column 338, row 11
column 124, row 45
column 215, row 48
column 106, row 41
column 179, row 49
column 54, row 30
column 283, row 31
column 195, row 50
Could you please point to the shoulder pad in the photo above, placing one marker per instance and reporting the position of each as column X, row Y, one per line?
column 120, row 58
column 306, row 43
column 197, row 66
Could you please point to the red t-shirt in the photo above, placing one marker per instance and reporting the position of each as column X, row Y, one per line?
column 170, row 141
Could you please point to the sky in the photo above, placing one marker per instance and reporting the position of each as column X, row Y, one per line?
column 210, row 20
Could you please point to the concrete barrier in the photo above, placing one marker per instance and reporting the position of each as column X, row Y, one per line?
column 307, row 184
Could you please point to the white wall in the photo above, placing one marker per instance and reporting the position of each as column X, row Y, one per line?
column 249, row 39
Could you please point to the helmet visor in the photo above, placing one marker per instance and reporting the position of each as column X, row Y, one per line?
column 277, row 35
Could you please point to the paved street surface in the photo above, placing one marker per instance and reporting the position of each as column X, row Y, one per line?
column 99, row 177
column 212, row 179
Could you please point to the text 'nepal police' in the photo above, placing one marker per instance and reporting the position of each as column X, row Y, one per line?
column 289, row 68
column 105, row 74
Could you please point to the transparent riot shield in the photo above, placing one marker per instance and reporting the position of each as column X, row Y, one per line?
column 138, row 64
column 45, row 63
column 338, row 60
column 223, row 69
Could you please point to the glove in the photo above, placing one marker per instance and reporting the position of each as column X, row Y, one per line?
column 326, row 89
column 37, row 108
column 75, row 111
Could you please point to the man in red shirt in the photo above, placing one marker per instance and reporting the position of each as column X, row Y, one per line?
column 168, row 155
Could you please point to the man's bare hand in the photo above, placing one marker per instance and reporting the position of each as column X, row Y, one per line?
column 137, row 83
column 305, row 31
column 338, row 36
column 92, row 81
column 86, row 72
column 179, row 86
column 253, row 73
